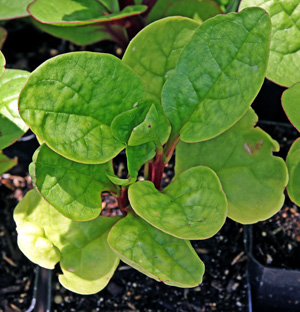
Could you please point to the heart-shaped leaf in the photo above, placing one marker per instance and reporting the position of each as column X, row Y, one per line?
column 199, row 10
column 11, row 9
column 156, row 254
column 71, row 100
column 293, row 164
column 72, row 188
column 253, row 179
column 291, row 104
column 46, row 237
column 139, row 155
column 11, row 125
column 284, row 62
column 217, row 75
column 6, row 163
column 154, row 51
column 194, row 206
column 75, row 13
column 144, row 123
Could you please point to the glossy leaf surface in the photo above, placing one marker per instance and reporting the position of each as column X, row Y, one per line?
column 6, row 163
column 194, row 206
column 253, row 180
column 217, row 75
column 46, row 238
column 291, row 104
column 71, row 100
column 72, row 188
column 13, row 9
column 11, row 125
column 199, row 10
column 144, row 123
column 156, row 254
column 153, row 53
column 293, row 164
column 284, row 63
column 75, row 13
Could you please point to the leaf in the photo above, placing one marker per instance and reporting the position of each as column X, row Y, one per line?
column 11, row 126
column 291, row 104
column 139, row 155
column 75, row 13
column 3, row 35
column 71, row 100
column 72, row 188
column 84, row 35
column 253, row 180
column 194, row 206
column 118, row 181
column 199, row 10
column 144, row 123
column 154, row 51
column 217, row 75
column 46, row 237
column 11, row 9
column 6, row 163
column 156, row 254
column 284, row 62
column 293, row 164
column 2, row 64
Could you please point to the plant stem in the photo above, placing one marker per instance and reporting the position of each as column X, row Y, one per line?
column 123, row 200
column 170, row 148
column 156, row 170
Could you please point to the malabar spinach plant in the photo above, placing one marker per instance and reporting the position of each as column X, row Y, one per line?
column 12, row 126
column 179, row 85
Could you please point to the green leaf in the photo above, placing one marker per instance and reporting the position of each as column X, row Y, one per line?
column 284, row 62
column 217, row 75
column 154, row 51
column 139, row 155
column 84, row 35
column 118, row 181
column 293, row 164
column 253, row 180
column 11, row 9
column 75, row 13
column 46, row 237
column 2, row 64
column 194, row 206
column 11, row 126
column 71, row 100
column 6, row 163
column 3, row 35
column 156, row 254
column 291, row 104
column 199, row 10
column 72, row 188
column 144, row 123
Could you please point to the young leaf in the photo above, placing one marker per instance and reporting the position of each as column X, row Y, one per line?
column 6, row 163
column 194, row 206
column 199, row 10
column 284, row 62
column 253, row 180
column 156, row 254
column 118, row 181
column 71, row 100
column 293, row 164
column 11, row 126
column 11, row 9
column 76, row 13
column 139, row 155
column 217, row 75
column 291, row 104
column 144, row 123
column 72, row 188
column 154, row 51
column 46, row 237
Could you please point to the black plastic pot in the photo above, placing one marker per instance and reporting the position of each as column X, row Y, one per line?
column 270, row 289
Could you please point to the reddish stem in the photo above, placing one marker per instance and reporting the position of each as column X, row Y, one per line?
column 123, row 201
column 156, row 170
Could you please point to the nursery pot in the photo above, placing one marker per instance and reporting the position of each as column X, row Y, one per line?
column 270, row 289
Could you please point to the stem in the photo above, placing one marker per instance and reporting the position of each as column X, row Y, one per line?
column 149, row 4
column 146, row 170
column 123, row 200
column 156, row 170
column 170, row 148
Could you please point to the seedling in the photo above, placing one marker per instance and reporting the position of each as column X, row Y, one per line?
column 180, row 85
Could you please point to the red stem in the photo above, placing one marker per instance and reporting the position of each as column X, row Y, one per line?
column 156, row 170
column 123, row 201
